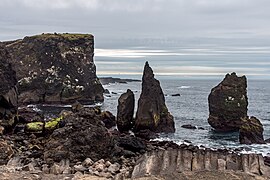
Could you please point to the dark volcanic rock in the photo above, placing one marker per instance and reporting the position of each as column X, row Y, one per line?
column 267, row 140
column 56, row 68
column 188, row 126
column 131, row 143
column 176, row 94
column 82, row 137
column 152, row 112
column 108, row 119
column 251, row 131
column 125, row 111
column 228, row 103
column 6, row 152
column 8, row 90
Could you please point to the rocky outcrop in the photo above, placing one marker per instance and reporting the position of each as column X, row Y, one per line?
column 228, row 103
column 152, row 111
column 125, row 111
column 56, row 68
column 8, row 90
column 173, row 161
column 83, row 135
column 251, row 131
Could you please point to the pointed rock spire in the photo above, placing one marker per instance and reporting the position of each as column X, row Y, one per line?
column 152, row 113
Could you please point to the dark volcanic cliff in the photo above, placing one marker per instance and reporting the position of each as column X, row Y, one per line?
column 55, row 68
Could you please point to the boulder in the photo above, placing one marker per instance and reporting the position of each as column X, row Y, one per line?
column 8, row 90
column 152, row 111
column 125, row 111
column 108, row 119
column 228, row 103
column 55, row 68
column 83, row 136
column 251, row 131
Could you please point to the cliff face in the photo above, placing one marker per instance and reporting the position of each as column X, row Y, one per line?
column 8, row 90
column 55, row 68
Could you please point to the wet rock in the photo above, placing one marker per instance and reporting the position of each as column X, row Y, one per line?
column 108, row 119
column 27, row 115
column 228, row 103
column 76, row 107
column 131, row 143
column 125, row 111
column 146, row 134
column 188, row 126
column 56, row 68
column 8, row 90
column 82, row 137
column 6, row 152
column 106, row 91
column 267, row 140
column 152, row 111
column 176, row 94
column 251, row 131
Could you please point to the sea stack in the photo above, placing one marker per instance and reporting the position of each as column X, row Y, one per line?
column 228, row 103
column 125, row 111
column 55, row 68
column 251, row 131
column 152, row 113
column 8, row 90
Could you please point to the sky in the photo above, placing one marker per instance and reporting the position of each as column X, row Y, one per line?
column 181, row 38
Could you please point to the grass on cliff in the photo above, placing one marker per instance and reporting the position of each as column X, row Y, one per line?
column 64, row 35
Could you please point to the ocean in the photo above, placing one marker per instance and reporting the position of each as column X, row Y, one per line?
column 192, row 108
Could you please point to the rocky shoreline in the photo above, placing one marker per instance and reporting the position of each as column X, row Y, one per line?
column 85, row 143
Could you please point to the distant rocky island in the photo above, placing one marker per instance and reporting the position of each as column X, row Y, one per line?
column 91, row 143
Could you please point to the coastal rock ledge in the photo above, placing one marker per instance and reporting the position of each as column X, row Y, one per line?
column 152, row 113
column 55, row 68
column 228, row 103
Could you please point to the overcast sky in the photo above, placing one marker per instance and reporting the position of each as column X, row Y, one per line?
column 178, row 37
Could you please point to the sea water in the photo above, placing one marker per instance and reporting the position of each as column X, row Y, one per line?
column 192, row 108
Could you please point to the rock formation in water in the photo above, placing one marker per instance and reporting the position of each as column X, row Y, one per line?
column 55, row 68
column 125, row 111
column 228, row 103
column 251, row 131
column 152, row 111
column 8, row 90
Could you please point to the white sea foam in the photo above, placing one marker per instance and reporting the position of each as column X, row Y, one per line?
column 184, row 87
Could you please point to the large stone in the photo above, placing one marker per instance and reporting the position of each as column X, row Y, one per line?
column 83, row 136
column 125, row 111
column 251, row 131
column 152, row 111
column 228, row 103
column 56, row 68
column 8, row 90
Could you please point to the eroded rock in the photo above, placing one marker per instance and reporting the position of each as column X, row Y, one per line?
column 125, row 111
column 55, row 68
column 228, row 103
column 8, row 90
column 152, row 111
column 251, row 131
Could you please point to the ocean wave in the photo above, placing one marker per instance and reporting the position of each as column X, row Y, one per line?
column 183, row 87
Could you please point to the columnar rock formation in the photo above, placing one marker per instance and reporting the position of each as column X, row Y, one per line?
column 228, row 103
column 251, row 131
column 8, row 90
column 125, row 111
column 55, row 68
column 177, row 160
column 152, row 113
